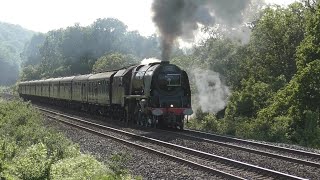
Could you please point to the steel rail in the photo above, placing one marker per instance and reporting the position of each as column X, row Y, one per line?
column 259, row 144
column 236, row 164
column 151, row 150
column 250, row 150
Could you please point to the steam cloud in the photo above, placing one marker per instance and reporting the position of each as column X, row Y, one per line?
column 212, row 93
column 181, row 18
column 149, row 60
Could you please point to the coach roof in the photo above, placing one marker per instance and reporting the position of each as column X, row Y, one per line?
column 82, row 77
column 104, row 75
column 67, row 79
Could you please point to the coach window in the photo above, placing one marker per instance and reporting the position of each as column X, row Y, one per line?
column 98, row 87
column 62, row 87
column 82, row 89
column 88, row 88
column 91, row 88
column 95, row 88
column 101, row 87
column 91, row 91
column 104, row 86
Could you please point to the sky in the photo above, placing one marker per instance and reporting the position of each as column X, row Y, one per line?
column 45, row 15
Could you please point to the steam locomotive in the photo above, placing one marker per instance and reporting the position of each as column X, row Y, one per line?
column 152, row 94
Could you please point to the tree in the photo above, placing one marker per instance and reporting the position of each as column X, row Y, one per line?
column 51, row 53
column 248, row 101
column 30, row 73
column 299, row 98
column 274, row 40
column 75, row 50
column 309, row 50
column 107, row 35
column 12, row 40
column 31, row 54
column 113, row 61
column 224, row 56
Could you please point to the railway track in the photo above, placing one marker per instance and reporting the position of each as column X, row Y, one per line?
column 222, row 166
column 232, row 142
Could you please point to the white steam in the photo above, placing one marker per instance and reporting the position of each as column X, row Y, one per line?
column 212, row 93
column 150, row 60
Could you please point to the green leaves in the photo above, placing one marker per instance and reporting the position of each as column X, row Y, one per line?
column 113, row 61
column 31, row 164
column 274, row 40
column 28, row 150
column 309, row 49
column 250, row 99
column 80, row 167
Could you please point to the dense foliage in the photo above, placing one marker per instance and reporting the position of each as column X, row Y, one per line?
column 31, row 151
column 275, row 78
column 113, row 61
column 75, row 50
column 12, row 41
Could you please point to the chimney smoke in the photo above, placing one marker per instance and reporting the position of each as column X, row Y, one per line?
column 181, row 18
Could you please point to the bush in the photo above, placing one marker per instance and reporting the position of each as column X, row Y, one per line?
column 31, row 164
column 117, row 165
column 209, row 122
column 279, row 129
column 28, row 150
column 244, row 127
column 80, row 167
column 8, row 151
column 309, row 134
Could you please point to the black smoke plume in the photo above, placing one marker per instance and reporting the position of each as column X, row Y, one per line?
column 181, row 18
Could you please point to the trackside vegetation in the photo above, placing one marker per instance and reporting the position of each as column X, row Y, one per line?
column 28, row 150
column 274, row 78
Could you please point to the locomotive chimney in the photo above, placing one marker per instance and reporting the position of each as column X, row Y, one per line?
column 164, row 62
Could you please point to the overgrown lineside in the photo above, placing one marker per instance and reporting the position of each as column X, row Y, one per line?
column 31, row 151
column 274, row 78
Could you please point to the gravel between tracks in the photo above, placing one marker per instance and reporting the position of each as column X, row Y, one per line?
column 147, row 165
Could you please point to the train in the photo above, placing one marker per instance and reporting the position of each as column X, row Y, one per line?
column 154, row 94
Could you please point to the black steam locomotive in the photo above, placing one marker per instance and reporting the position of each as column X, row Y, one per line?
column 153, row 94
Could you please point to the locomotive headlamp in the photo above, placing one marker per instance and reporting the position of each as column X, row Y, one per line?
column 171, row 105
